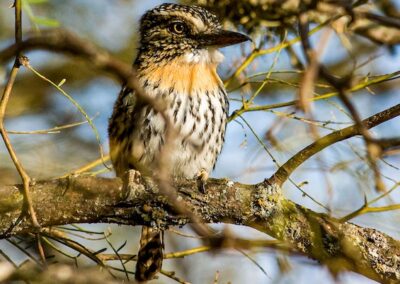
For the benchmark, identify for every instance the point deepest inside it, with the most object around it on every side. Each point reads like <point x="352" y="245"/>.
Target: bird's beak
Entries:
<point x="221" y="38"/>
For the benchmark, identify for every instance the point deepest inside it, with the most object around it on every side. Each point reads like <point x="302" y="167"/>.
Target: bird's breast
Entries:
<point x="184" y="75"/>
<point x="196" y="104"/>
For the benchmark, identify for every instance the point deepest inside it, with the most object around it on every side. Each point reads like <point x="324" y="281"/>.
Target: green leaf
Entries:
<point x="46" y="22"/>
<point x="35" y="2"/>
<point x="61" y="82"/>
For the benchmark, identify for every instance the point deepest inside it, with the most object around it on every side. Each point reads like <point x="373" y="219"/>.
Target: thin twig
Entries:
<point x="53" y="130"/>
<point x="283" y="173"/>
<point x="3" y="105"/>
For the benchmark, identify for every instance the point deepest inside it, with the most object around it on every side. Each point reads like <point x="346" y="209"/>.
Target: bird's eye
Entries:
<point x="177" y="28"/>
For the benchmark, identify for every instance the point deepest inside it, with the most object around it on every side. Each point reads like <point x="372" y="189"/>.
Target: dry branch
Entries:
<point x="260" y="206"/>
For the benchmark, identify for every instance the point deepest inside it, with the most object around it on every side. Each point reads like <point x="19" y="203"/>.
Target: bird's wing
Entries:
<point x="120" y="127"/>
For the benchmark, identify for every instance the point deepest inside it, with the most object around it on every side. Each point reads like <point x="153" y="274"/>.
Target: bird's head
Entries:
<point x="172" y="30"/>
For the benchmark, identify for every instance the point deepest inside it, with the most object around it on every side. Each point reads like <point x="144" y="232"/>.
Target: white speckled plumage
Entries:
<point x="198" y="113"/>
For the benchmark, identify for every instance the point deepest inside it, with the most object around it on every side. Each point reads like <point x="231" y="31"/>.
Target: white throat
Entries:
<point x="204" y="56"/>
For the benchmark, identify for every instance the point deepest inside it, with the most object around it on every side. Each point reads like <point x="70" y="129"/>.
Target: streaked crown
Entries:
<point x="171" y="30"/>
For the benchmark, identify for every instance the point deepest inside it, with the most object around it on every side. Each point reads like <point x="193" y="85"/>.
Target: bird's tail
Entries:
<point x="150" y="254"/>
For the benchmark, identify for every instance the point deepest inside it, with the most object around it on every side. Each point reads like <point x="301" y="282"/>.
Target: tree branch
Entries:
<point x="260" y="206"/>
<point x="283" y="173"/>
<point x="63" y="41"/>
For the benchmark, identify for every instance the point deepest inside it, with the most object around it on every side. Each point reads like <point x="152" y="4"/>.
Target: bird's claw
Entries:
<point x="202" y="178"/>
<point x="131" y="180"/>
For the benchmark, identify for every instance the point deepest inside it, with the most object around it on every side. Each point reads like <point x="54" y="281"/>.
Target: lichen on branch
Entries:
<point x="261" y="206"/>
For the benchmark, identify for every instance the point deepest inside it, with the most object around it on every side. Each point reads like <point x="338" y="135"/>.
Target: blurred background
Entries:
<point x="338" y="178"/>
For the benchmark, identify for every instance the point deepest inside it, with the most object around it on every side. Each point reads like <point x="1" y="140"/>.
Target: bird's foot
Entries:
<point x="202" y="178"/>
<point x="132" y="185"/>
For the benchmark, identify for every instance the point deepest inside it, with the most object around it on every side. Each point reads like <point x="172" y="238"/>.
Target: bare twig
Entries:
<point x="53" y="130"/>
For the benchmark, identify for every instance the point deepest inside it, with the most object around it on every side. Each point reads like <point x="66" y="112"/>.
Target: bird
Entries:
<point x="176" y="66"/>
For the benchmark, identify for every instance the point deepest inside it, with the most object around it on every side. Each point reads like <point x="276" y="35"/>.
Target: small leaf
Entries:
<point x="62" y="82"/>
<point x="46" y="22"/>
<point x="34" y="2"/>
<point x="121" y="247"/>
